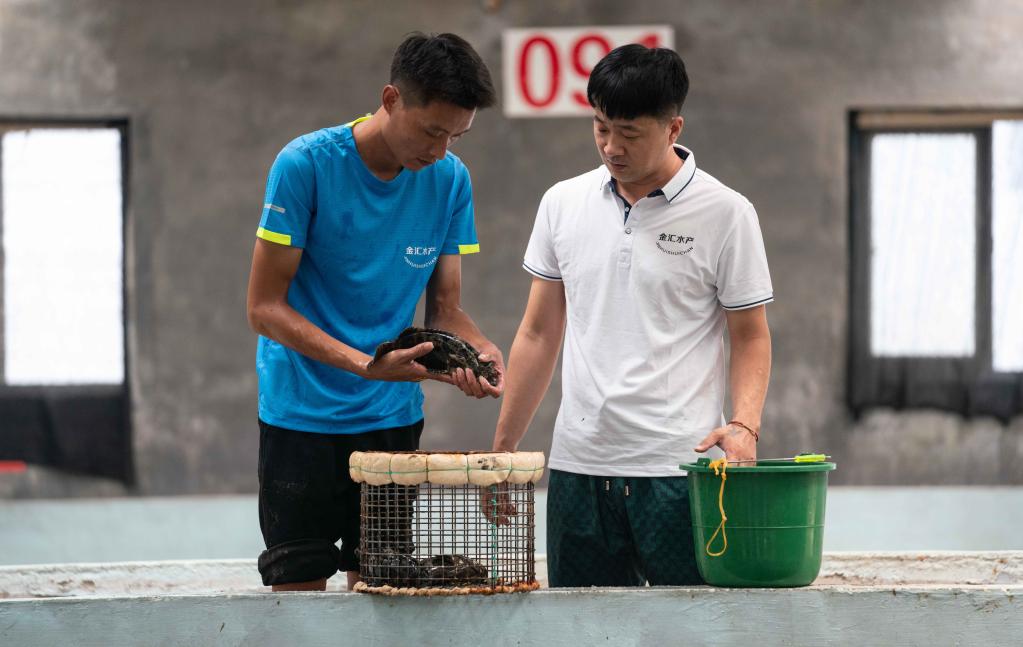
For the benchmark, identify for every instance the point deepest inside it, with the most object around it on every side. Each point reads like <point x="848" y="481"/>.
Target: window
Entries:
<point x="936" y="316"/>
<point x="63" y="393"/>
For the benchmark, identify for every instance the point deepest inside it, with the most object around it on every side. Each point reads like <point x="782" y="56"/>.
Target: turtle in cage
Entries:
<point x="404" y="570"/>
<point x="391" y="566"/>
<point x="458" y="570"/>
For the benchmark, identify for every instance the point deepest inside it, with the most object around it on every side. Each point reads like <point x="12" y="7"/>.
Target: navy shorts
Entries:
<point x="617" y="531"/>
<point x="308" y="501"/>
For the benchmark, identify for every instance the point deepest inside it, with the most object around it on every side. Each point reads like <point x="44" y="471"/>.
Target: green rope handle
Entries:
<point x="493" y="535"/>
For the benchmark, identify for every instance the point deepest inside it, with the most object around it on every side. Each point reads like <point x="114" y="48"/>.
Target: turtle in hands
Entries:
<point x="449" y="352"/>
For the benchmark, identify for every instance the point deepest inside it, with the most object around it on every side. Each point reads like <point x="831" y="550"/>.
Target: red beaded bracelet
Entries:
<point x="756" y="436"/>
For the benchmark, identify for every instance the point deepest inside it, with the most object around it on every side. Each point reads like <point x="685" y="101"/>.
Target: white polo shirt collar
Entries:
<point x="674" y="187"/>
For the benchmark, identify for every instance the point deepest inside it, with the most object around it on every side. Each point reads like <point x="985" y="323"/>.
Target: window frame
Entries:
<point x="42" y="424"/>
<point x="965" y="384"/>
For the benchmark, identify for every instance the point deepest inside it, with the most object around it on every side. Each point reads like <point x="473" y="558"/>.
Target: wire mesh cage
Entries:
<point x="443" y="524"/>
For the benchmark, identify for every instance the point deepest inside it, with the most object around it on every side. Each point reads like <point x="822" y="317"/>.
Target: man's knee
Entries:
<point x="298" y="561"/>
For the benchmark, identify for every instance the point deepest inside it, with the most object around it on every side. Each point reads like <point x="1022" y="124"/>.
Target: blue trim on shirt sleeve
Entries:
<point x="539" y="274"/>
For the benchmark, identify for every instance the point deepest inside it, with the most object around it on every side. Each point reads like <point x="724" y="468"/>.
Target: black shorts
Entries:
<point x="308" y="501"/>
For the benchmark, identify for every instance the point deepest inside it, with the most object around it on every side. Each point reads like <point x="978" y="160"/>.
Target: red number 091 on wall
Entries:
<point x="546" y="70"/>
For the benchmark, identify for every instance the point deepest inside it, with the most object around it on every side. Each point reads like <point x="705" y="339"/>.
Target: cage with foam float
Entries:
<point x="447" y="523"/>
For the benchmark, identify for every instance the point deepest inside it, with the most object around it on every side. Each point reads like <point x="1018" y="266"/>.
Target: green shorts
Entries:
<point x="619" y="531"/>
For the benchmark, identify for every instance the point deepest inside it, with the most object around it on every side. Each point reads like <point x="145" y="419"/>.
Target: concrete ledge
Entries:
<point x="932" y="569"/>
<point x="651" y="616"/>
<point x="132" y="579"/>
<point x="233" y="576"/>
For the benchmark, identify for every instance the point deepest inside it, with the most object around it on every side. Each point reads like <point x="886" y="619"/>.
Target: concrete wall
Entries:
<point x="213" y="90"/>
<point x="887" y="615"/>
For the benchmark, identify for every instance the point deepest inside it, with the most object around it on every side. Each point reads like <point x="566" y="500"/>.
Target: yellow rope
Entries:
<point x="722" y="464"/>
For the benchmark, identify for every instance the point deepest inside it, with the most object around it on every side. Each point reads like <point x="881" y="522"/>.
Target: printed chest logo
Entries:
<point x="420" y="257"/>
<point x="675" y="244"/>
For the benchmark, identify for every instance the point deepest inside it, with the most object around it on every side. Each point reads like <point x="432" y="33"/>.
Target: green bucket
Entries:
<point x="774" y="527"/>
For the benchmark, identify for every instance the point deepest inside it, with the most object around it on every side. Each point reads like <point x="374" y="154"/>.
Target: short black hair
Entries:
<point x="442" y="67"/>
<point x="635" y="81"/>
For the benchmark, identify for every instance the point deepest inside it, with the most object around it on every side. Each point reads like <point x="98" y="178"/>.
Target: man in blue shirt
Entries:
<point x="358" y="221"/>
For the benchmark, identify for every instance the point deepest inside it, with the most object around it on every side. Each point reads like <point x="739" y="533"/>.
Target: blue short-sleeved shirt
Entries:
<point x="369" y="248"/>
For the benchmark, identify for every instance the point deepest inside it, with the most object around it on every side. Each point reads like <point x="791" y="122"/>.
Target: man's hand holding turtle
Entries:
<point x="400" y="366"/>
<point x="477" y="386"/>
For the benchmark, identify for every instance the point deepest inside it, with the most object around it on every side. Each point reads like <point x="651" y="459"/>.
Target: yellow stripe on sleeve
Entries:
<point x="469" y="249"/>
<point x="274" y="237"/>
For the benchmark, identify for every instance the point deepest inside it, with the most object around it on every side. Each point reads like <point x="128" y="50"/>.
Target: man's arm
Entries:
<point x="750" y="363"/>
<point x="270" y="315"/>
<point x="444" y="312"/>
<point x="534" y="354"/>
<point x="749" y="374"/>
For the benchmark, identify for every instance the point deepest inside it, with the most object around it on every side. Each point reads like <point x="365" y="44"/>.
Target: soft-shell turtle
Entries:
<point x="449" y="352"/>
<point x="447" y="570"/>
<point x="391" y="567"/>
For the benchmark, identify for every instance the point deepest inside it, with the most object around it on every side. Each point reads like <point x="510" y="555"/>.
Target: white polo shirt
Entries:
<point x="643" y="372"/>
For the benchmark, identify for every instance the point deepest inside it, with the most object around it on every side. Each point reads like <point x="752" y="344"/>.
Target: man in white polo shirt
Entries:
<point x="641" y="264"/>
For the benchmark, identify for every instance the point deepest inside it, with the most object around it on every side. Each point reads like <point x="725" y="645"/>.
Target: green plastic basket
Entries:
<point x="774" y="527"/>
